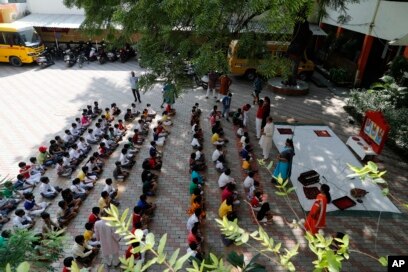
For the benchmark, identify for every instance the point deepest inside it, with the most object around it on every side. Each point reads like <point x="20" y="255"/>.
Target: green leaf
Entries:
<point x="383" y="261"/>
<point x="291" y="189"/>
<point x="269" y="167"/>
<point x="162" y="244"/>
<point x="372" y="166"/>
<point x="280" y="193"/>
<point x="180" y="262"/>
<point x="8" y="268"/>
<point x="124" y="215"/>
<point x="385" y="191"/>
<point x="173" y="257"/>
<point x="149" y="263"/>
<point x="245" y="237"/>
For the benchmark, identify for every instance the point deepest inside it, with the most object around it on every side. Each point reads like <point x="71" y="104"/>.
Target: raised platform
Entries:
<point x="302" y="87"/>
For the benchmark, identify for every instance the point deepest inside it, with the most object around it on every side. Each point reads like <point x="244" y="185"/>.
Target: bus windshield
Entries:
<point x="29" y="37"/>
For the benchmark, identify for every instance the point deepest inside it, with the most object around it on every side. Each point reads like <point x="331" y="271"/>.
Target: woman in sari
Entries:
<point x="284" y="165"/>
<point x="316" y="219"/>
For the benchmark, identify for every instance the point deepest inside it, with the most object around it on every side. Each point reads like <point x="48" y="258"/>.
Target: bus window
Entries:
<point x="29" y="37"/>
<point x="2" y="40"/>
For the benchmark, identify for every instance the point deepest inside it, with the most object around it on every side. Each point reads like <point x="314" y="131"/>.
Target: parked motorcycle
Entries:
<point x="126" y="53"/>
<point x="45" y="59"/>
<point x="93" y="54"/>
<point x="82" y="59"/>
<point x="112" y="55"/>
<point x="70" y="58"/>
<point x="102" y="56"/>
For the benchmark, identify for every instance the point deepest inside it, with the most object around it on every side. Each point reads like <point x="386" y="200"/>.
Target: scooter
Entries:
<point x="93" y="55"/>
<point x="81" y="59"/>
<point x="102" y="57"/>
<point x="45" y="59"/>
<point x="69" y="58"/>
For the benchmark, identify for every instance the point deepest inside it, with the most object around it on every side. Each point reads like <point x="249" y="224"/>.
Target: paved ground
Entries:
<point x="37" y="104"/>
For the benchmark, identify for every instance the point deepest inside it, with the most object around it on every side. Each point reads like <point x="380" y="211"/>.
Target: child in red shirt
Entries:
<point x="94" y="216"/>
<point x="67" y="264"/>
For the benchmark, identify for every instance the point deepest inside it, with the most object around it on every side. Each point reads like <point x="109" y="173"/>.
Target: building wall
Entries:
<point x="51" y="7"/>
<point x="390" y="23"/>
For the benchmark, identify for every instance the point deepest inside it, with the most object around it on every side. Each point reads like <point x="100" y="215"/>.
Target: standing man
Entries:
<point x="212" y="79"/>
<point x="225" y="83"/>
<point x="134" y="86"/>
<point x="226" y="105"/>
<point x="109" y="242"/>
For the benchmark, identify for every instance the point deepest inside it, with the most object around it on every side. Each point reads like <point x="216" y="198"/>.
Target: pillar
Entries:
<point x="362" y="60"/>
<point x="406" y="52"/>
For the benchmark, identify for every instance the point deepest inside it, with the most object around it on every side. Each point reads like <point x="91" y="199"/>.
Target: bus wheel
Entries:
<point x="15" y="61"/>
<point x="250" y="75"/>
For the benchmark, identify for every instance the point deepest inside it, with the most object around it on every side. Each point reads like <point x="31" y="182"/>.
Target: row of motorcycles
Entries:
<point x="85" y="53"/>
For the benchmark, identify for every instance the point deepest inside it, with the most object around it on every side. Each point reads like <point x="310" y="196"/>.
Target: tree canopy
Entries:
<point x="175" y="31"/>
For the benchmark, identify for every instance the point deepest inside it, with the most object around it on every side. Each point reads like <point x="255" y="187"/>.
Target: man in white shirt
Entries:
<point x="134" y="86"/>
<point x="109" y="240"/>
<point x="22" y="221"/>
<point x="82" y="252"/>
<point x="225" y="178"/>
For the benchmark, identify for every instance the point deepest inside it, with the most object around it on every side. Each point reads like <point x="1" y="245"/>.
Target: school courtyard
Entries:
<point x="37" y="104"/>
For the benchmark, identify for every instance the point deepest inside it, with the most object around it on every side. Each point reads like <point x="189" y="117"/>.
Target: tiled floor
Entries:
<point x="36" y="105"/>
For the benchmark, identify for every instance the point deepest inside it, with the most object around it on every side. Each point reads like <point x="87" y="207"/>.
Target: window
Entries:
<point x="17" y="1"/>
<point x="2" y="41"/>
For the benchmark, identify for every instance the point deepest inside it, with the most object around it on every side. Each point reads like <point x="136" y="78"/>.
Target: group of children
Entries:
<point x="196" y="211"/>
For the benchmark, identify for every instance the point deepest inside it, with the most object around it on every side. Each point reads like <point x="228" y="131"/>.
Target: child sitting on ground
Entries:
<point x="166" y="119"/>
<point x="96" y="108"/>
<point x="66" y="213"/>
<point x="36" y="167"/>
<point x="47" y="190"/>
<point x="108" y="116"/>
<point x="129" y="117"/>
<point x="118" y="173"/>
<point x="240" y="131"/>
<point x="94" y="216"/>
<point x="146" y="207"/>
<point x="112" y="191"/>
<point x="122" y="127"/>
<point x="62" y="170"/>
<point x="44" y="158"/>
<point x="89" y="235"/>
<point x="114" y="109"/>
<point x="150" y="111"/>
<point x="32" y="207"/>
<point x="135" y="111"/>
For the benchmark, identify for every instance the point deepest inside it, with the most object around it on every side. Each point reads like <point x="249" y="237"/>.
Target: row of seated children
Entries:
<point x="196" y="211"/>
<point x="252" y="189"/>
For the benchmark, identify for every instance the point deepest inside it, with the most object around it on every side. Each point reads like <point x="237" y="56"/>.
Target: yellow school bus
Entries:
<point x="241" y="66"/>
<point x="19" y="44"/>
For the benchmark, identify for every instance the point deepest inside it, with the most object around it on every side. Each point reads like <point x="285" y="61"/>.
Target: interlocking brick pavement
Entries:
<point x="37" y="104"/>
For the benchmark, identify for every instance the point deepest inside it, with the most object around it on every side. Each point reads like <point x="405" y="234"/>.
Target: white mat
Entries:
<point x="328" y="156"/>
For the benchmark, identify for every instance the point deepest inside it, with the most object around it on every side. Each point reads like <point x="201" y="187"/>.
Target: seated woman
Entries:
<point x="264" y="215"/>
